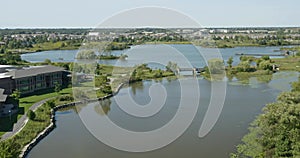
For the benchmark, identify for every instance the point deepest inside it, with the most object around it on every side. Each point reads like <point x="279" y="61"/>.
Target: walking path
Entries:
<point x="22" y="121"/>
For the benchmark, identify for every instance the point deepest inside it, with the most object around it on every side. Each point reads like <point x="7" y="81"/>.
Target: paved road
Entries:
<point x="22" y="121"/>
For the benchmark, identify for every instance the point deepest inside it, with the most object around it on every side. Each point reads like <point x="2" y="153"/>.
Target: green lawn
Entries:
<point x="27" y="102"/>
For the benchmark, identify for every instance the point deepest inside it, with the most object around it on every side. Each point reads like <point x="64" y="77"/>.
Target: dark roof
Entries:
<point x="33" y="71"/>
<point x="2" y="96"/>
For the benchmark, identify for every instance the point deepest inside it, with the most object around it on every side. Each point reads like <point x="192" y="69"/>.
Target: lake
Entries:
<point x="243" y="103"/>
<point x="157" y="53"/>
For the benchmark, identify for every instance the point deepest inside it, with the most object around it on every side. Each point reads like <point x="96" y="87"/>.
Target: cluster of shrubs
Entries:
<point x="66" y="98"/>
<point x="263" y="63"/>
<point x="247" y="64"/>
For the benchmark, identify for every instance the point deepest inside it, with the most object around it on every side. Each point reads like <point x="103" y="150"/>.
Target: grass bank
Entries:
<point x="288" y="63"/>
<point x="26" y="102"/>
<point x="38" y="124"/>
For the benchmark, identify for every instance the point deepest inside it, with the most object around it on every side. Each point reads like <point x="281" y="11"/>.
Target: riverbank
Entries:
<point x="51" y="126"/>
<point x="275" y="132"/>
<point x="26" y="149"/>
<point x="45" y="129"/>
<point x="60" y="45"/>
<point x="35" y="130"/>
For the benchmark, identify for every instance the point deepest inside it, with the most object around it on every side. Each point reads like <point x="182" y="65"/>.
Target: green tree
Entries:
<point x="47" y="61"/>
<point x="247" y="58"/>
<point x="16" y="94"/>
<point x="216" y="66"/>
<point x="50" y="103"/>
<point x="62" y="45"/>
<point x="172" y="67"/>
<point x="265" y="65"/>
<point x="9" y="149"/>
<point x="101" y="81"/>
<point x="276" y="132"/>
<point x="230" y="61"/>
<point x="86" y="54"/>
<point x="31" y="115"/>
<point x="2" y="51"/>
<point x="244" y="66"/>
<point x="57" y="87"/>
<point x="265" y="57"/>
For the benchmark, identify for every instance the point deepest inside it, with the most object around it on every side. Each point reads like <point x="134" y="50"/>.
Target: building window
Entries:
<point x="26" y="81"/>
<point x="24" y="88"/>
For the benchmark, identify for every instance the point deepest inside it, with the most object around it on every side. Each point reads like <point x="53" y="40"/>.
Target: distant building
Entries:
<point x="222" y="30"/>
<point x="30" y="79"/>
<point x="93" y="34"/>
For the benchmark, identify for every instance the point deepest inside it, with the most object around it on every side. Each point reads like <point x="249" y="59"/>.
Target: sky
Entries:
<point x="89" y="13"/>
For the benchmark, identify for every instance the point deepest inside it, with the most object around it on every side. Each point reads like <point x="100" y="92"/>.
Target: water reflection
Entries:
<point x="279" y="81"/>
<point x="264" y="78"/>
<point x="103" y="107"/>
<point x="241" y="106"/>
<point x="136" y="86"/>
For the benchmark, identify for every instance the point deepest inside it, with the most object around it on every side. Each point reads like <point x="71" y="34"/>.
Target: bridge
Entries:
<point x="194" y="70"/>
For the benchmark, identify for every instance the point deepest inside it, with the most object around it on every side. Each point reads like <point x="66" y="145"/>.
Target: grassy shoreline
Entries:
<point x="60" y="45"/>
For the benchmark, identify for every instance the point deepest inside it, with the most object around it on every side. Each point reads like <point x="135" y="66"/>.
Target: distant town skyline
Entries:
<point x="89" y="13"/>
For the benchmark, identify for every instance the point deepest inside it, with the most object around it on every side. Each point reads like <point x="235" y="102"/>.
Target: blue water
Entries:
<point x="156" y="55"/>
<point x="71" y="138"/>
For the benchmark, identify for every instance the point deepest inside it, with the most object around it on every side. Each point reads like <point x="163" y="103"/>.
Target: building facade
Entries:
<point x="31" y="79"/>
<point x="30" y="84"/>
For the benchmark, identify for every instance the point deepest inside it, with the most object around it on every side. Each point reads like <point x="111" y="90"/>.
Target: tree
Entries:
<point x="2" y="51"/>
<point x="62" y="45"/>
<point x="100" y="81"/>
<point x="216" y="66"/>
<point x="86" y="54"/>
<point x="158" y="73"/>
<point x="247" y="58"/>
<point x="57" y="87"/>
<point x="276" y="132"/>
<point x="265" y="65"/>
<point x="243" y="66"/>
<point x="31" y="115"/>
<point x="47" y="61"/>
<point x="50" y="103"/>
<point x="9" y="149"/>
<point x="230" y="61"/>
<point x="16" y="94"/>
<point x="265" y="57"/>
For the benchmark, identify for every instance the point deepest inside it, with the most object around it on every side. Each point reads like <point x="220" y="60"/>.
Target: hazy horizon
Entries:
<point x="211" y="27"/>
<point x="89" y="13"/>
